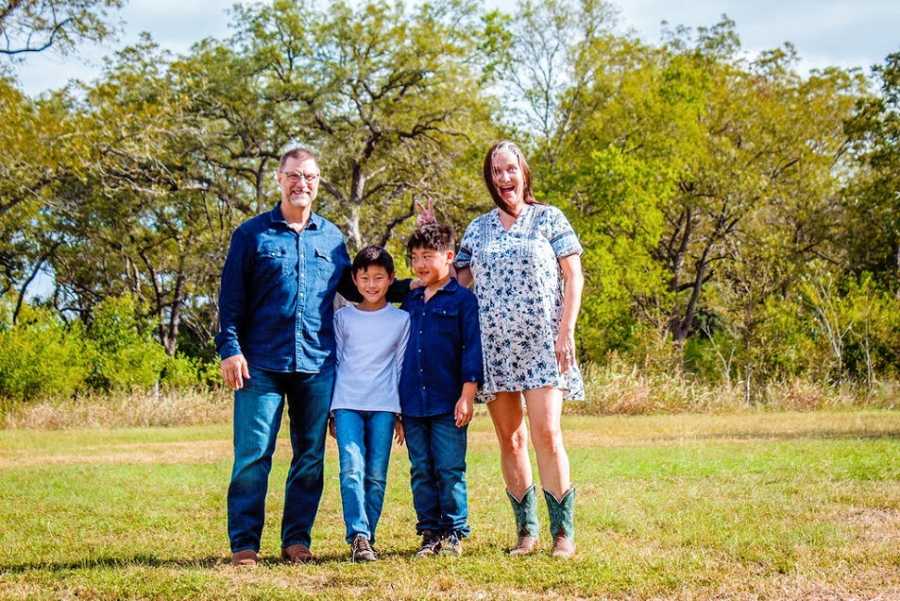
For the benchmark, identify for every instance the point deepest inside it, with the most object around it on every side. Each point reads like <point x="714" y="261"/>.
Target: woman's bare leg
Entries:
<point x="544" y="413"/>
<point x="512" y="434"/>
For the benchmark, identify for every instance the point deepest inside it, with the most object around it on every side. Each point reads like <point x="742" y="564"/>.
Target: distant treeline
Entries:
<point x="741" y="221"/>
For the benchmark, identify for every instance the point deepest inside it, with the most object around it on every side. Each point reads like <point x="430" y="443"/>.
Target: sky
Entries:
<point x="824" y="32"/>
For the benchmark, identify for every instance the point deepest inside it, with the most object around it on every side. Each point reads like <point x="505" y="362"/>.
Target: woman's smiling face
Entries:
<point x="508" y="179"/>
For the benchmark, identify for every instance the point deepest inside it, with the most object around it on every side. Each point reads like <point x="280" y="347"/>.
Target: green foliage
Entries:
<point x="740" y="220"/>
<point x="42" y="356"/>
<point x="127" y="356"/>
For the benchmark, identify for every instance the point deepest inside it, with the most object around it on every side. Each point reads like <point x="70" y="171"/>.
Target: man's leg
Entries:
<point x="309" y="399"/>
<point x="350" y="427"/>
<point x="448" y="447"/>
<point x="257" y="416"/>
<point x="379" y="434"/>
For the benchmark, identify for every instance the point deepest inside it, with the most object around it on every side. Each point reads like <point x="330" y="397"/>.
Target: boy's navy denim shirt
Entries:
<point x="443" y="352"/>
<point x="276" y="303"/>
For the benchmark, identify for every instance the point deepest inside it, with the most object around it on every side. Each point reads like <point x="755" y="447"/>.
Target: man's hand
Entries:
<point x="465" y="409"/>
<point x="234" y="371"/>
<point x="399" y="434"/>
<point x="331" y="428"/>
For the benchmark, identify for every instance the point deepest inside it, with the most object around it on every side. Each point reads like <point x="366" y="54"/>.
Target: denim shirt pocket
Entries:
<point x="324" y="263"/>
<point x="272" y="260"/>
<point x="446" y="321"/>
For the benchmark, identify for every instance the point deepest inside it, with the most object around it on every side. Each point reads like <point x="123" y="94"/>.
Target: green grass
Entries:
<point x="767" y="505"/>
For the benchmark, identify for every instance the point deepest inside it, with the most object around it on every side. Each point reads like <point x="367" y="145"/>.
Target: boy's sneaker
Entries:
<point x="361" y="550"/>
<point x="451" y="545"/>
<point x="431" y="545"/>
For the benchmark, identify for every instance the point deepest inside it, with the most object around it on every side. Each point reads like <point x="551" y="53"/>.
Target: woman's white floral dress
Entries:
<point x="519" y="287"/>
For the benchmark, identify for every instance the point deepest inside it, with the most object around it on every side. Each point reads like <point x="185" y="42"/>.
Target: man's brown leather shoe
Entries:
<point x="297" y="554"/>
<point x="247" y="558"/>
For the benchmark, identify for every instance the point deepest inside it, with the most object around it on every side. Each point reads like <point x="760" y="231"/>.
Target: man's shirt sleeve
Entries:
<point x="232" y="296"/>
<point x="472" y="366"/>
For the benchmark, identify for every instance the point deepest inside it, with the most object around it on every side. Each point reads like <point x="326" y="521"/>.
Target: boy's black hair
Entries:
<point x="432" y="236"/>
<point x="373" y="255"/>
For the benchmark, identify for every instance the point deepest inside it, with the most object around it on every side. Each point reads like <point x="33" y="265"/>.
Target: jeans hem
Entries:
<point x="238" y="549"/>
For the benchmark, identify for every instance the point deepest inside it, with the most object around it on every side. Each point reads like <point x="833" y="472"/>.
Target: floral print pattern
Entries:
<point x="519" y="285"/>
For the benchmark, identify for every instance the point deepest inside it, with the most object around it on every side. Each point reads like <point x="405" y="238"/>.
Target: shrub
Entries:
<point x="42" y="356"/>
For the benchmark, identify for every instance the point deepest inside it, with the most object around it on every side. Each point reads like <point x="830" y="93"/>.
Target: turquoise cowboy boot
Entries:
<point x="562" y="523"/>
<point x="527" y="527"/>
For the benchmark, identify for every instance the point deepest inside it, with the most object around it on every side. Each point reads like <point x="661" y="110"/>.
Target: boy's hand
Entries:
<point x="425" y="213"/>
<point x="465" y="409"/>
<point x="331" y="429"/>
<point x="399" y="434"/>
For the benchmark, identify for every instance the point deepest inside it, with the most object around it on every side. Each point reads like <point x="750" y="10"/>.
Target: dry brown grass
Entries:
<point x="123" y="410"/>
<point x="614" y="388"/>
<point x="620" y="389"/>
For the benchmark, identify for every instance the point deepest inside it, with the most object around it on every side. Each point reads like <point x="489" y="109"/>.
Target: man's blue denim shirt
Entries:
<point x="443" y="352"/>
<point x="276" y="304"/>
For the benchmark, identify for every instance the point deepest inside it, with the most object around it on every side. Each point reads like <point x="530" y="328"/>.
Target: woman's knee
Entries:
<point x="548" y="440"/>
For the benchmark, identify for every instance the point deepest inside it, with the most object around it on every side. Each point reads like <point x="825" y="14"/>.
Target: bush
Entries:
<point x="42" y="356"/>
<point x="126" y="355"/>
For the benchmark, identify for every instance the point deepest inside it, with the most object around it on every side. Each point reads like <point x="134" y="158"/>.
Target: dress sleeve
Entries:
<point x="560" y="233"/>
<point x="466" y="246"/>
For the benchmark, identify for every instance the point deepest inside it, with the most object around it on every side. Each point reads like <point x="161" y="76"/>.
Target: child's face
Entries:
<point x="431" y="266"/>
<point x="373" y="283"/>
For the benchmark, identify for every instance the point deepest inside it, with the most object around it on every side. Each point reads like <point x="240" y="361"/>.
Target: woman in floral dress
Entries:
<point x="524" y="260"/>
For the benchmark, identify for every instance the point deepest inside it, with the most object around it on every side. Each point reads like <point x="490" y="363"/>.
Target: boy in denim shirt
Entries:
<point x="442" y="368"/>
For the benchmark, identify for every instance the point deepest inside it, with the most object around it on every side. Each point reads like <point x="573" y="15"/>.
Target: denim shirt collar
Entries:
<point x="449" y="287"/>
<point x="315" y="221"/>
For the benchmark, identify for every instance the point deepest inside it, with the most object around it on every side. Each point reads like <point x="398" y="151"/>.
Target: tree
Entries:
<point x="872" y="197"/>
<point x="389" y="98"/>
<point x="28" y="26"/>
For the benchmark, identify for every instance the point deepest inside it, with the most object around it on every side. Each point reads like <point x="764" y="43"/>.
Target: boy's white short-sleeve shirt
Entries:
<point x="370" y="347"/>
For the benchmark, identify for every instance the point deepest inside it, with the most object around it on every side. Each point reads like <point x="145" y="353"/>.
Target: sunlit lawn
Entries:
<point x="764" y="505"/>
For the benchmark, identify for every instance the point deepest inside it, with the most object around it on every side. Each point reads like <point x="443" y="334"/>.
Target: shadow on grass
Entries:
<point x="115" y="562"/>
<point x="151" y="561"/>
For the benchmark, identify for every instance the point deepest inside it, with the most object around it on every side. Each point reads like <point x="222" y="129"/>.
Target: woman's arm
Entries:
<point x="573" y="279"/>
<point x="464" y="277"/>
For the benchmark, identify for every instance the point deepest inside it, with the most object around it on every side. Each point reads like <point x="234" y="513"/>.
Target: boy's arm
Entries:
<point x="398" y="291"/>
<point x="472" y="361"/>
<point x="338" y="336"/>
<point x="465" y="406"/>
<point x="400" y="351"/>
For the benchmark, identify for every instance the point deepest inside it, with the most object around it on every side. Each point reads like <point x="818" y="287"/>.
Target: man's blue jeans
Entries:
<point x="364" y="448"/>
<point x="257" y="416"/>
<point x="437" y="454"/>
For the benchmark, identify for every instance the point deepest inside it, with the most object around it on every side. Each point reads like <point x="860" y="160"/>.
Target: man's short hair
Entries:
<point x="373" y="255"/>
<point x="432" y="236"/>
<point x="300" y="153"/>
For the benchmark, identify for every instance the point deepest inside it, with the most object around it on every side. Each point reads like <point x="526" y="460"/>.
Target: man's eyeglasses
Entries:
<point x="295" y="177"/>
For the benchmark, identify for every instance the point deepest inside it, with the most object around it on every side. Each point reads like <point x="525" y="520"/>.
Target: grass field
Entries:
<point x="753" y="506"/>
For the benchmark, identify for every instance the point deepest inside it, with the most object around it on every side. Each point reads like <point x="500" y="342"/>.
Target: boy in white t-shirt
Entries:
<point x="371" y="339"/>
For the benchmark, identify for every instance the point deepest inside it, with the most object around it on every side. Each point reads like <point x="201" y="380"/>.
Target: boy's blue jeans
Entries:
<point x="437" y="454"/>
<point x="258" y="407"/>
<point x="364" y="449"/>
